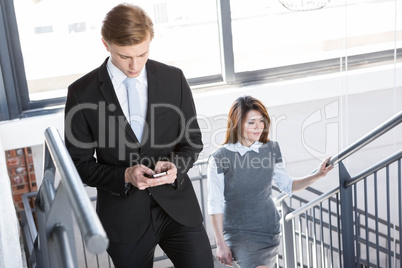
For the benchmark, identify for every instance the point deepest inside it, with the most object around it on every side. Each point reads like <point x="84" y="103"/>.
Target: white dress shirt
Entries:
<point x="117" y="77"/>
<point x="216" y="182"/>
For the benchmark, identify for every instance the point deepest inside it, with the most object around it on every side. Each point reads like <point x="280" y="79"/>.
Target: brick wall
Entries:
<point x="21" y="172"/>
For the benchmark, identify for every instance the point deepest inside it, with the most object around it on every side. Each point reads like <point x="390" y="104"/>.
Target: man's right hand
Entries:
<point x="135" y="176"/>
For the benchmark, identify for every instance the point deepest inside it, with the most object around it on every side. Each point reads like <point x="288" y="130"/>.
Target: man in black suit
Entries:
<point x="138" y="212"/>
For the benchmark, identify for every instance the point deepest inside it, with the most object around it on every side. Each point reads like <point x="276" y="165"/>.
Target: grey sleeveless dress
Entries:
<point x="250" y="219"/>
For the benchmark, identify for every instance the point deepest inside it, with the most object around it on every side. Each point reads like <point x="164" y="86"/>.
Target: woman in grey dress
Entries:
<point x="240" y="177"/>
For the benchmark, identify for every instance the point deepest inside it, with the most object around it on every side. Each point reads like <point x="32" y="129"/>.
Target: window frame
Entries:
<point x="14" y="94"/>
<point x="12" y="86"/>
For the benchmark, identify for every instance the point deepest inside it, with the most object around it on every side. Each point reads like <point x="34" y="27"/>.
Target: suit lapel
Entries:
<point x="152" y="88"/>
<point x="112" y="103"/>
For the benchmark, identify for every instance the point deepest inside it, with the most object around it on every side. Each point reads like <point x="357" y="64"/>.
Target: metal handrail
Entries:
<point x="366" y="139"/>
<point x="201" y="162"/>
<point x="336" y="189"/>
<point x="392" y="158"/>
<point x="351" y="149"/>
<point x="312" y="203"/>
<point x="94" y="235"/>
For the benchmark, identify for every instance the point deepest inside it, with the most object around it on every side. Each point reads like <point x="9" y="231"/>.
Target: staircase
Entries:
<point x="356" y="224"/>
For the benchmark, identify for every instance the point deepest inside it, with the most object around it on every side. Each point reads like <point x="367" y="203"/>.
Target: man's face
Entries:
<point x="129" y="59"/>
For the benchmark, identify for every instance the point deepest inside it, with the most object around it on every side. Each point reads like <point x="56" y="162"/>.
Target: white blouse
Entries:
<point x="216" y="184"/>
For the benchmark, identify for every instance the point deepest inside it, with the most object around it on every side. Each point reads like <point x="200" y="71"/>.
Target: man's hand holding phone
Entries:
<point x="163" y="167"/>
<point x="142" y="177"/>
<point x="157" y="175"/>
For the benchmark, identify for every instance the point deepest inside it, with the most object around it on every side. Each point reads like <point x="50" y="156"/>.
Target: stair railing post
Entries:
<point x="346" y="202"/>
<point x="287" y="238"/>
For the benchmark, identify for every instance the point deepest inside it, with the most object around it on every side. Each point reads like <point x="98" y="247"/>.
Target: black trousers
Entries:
<point x="185" y="246"/>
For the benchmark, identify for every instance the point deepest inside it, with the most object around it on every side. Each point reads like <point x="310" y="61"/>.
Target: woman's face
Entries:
<point x="252" y="128"/>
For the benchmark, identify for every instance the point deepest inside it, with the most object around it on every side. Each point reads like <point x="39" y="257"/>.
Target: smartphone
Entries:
<point x="159" y="175"/>
<point x="156" y="175"/>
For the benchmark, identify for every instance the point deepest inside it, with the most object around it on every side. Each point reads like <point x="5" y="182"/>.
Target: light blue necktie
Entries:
<point x="134" y="107"/>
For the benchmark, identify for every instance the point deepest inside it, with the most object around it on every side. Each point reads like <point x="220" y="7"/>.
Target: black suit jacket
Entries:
<point x="102" y="145"/>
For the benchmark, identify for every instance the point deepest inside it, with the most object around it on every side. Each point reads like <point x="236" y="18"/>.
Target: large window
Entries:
<point x="46" y="44"/>
<point x="61" y="41"/>
<point x="266" y="35"/>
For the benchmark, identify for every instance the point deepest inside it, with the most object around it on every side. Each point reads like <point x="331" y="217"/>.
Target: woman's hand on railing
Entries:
<point x="302" y="183"/>
<point x="324" y="168"/>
